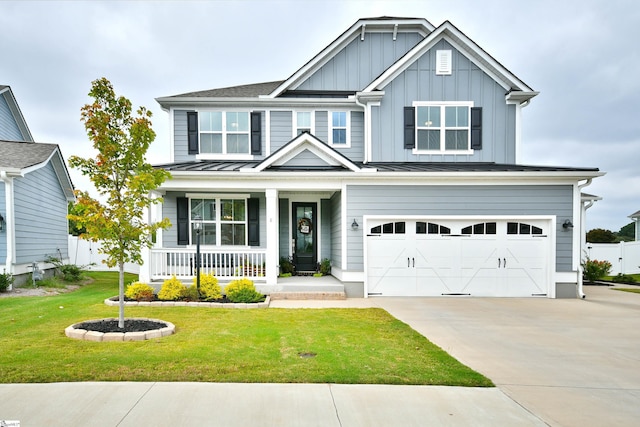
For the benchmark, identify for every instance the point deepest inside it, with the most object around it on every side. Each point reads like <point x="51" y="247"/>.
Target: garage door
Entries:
<point x="458" y="257"/>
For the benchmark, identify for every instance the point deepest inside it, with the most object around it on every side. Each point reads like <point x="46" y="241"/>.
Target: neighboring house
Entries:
<point x="393" y="153"/>
<point x="35" y="189"/>
<point x="636" y="219"/>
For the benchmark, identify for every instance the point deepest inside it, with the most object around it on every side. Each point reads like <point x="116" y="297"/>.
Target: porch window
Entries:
<point x="224" y="132"/>
<point x="224" y="221"/>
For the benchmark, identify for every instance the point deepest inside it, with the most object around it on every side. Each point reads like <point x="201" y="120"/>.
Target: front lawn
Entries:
<point x="348" y="346"/>
<point x="632" y="290"/>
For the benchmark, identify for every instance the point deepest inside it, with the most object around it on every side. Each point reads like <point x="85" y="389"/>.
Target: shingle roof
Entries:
<point x="243" y="91"/>
<point x="220" y="166"/>
<point x="21" y="155"/>
<point x="635" y="215"/>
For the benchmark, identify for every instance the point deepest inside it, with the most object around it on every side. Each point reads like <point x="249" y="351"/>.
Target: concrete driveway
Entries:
<point x="570" y="362"/>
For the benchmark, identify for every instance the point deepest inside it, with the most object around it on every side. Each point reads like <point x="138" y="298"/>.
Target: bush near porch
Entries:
<point x="365" y="346"/>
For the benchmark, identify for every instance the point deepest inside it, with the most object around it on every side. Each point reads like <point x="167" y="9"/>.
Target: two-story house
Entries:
<point x="393" y="153"/>
<point x="35" y="189"/>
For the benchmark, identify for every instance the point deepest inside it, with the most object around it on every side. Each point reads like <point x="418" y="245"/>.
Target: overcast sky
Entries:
<point x="582" y="55"/>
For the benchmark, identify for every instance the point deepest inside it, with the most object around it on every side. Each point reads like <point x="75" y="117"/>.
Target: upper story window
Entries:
<point x="443" y="127"/>
<point x="303" y="122"/>
<point x="224" y="221"/>
<point x="224" y="132"/>
<point x="339" y="122"/>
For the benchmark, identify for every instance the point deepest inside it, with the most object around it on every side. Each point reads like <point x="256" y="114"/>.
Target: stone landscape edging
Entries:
<point x="83" y="334"/>
<point x="111" y="302"/>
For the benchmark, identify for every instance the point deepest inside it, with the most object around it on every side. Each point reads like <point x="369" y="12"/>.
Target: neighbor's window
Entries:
<point x="224" y="221"/>
<point x="442" y="128"/>
<point x="339" y="128"/>
<point x="224" y="132"/>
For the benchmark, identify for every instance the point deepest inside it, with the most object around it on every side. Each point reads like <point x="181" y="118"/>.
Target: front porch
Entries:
<point x="227" y="265"/>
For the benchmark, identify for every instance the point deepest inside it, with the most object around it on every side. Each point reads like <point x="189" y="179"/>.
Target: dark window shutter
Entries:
<point x="192" y="131"/>
<point x="256" y="133"/>
<point x="182" y="205"/>
<point x="409" y="127"/>
<point x="253" y="210"/>
<point x="476" y="128"/>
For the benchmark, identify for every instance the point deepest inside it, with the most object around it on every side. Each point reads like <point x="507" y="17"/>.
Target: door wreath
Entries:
<point x="304" y="226"/>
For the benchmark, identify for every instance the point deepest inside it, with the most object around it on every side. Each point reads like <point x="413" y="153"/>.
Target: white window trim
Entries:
<point x="224" y="155"/>
<point x="442" y="128"/>
<point x="218" y="221"/>
<point x="294" y="131"/>
<point x="348" y="128"/>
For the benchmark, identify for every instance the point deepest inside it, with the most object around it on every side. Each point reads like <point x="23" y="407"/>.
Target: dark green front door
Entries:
<point x="304" y="235"/>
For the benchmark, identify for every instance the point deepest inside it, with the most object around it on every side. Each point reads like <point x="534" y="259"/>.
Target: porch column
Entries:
<point x="272" y="236"/>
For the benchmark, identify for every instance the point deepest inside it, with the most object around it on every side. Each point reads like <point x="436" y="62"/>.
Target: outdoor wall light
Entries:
<point x="354" y="225"/>
<point x="567" y="224"/>
<point x="197" y="225"/>
<point x="1" y="222"/>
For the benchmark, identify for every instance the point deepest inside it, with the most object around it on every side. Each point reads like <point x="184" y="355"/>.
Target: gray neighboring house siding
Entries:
<point x="361" y="61"/>
<point x="180" y="148"/>
<point x="336" y="229"/>
<point x="3" y="233"/>
<point x="460" y="200"/>
<point x="9" y="130"/>
<point x="41" y="216"/>
<point x="467" y="82"/>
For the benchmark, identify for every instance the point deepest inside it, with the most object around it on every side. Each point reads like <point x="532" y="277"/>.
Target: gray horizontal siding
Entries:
<point x="361" y="61"/>
<point x="461" y="200"/>
<point x="180" y="142"/>
<point x="9" y="130"/>
<point x="466" y="83"/>
<point x="40" y="216"/>
<point x="281" y="129"/>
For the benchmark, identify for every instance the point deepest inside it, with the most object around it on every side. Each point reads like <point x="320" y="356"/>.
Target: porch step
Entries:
<point x="302" y="295"/>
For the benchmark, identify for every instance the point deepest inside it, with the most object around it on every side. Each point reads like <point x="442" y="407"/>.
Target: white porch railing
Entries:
<point x="225" y="264"/>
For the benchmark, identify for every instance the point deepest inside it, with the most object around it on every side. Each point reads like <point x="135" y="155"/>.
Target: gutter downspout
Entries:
<point x="10" y="222"/>
<point x="583" y="236"/>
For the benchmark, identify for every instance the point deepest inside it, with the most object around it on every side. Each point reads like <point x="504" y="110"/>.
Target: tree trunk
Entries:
<point x="121" y="293"/>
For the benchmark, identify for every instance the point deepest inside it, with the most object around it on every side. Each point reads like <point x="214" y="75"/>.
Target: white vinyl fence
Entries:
<point x="85" y="253"/>
<point x="624" y="256"/>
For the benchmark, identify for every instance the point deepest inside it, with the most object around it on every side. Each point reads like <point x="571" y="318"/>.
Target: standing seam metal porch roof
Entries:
<point x="409" y="167"/>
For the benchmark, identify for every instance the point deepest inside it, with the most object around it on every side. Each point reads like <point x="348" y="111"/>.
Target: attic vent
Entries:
<point x="443" y="62"/>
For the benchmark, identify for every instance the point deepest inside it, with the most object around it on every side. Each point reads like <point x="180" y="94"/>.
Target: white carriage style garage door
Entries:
<point x="434" y="257"/>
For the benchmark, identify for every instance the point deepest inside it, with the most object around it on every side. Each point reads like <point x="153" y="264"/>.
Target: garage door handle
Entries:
<point x="498" y="262"/>
<point x="408" y="262"/>
<point x="504" y="263"/>
<point x="414" y="262"/>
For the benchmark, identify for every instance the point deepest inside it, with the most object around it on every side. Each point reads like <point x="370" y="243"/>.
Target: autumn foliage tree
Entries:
<point x="121" y="176"/>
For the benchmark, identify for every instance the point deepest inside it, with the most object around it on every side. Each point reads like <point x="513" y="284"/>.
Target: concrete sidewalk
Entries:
<point x="213" y="404"/>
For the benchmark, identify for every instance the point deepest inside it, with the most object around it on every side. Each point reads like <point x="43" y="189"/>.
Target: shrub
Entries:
<point x="172" y="290"/>
<point x="286" y="266"/>
<point x="594" y="269"/>
<point x="209" y="288"/>
<point x="325" y="267"/>
<point x="623" y="278"/>
<point x="139" y="291"/>
<point x="6" y="280"/>
<point x="191" y="293"/>
<point x="69" y="272"/>
<point x="243" y="290"/>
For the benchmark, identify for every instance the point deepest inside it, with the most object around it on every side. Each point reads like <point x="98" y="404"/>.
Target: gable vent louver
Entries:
<point x="443" y="62"/>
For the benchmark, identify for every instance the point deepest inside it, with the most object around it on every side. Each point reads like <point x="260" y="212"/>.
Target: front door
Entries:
<point x="304" y="231"/>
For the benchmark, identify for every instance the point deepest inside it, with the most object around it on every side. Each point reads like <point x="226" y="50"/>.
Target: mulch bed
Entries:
<point x="130" y="325"/>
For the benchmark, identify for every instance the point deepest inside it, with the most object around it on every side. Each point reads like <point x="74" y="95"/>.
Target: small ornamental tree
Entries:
<point x="122" y="177"/>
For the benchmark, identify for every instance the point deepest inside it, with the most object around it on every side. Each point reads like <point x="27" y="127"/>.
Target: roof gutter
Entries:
<point x="583" y="235"/>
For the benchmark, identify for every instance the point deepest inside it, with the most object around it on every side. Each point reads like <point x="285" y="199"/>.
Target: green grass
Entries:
<point x="635" y="276"/>
<point x="632" y="290"/>
<point x="352" y="346"/>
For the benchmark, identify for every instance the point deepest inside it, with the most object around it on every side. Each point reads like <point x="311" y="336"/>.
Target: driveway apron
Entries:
<point x="571" y="362"/>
